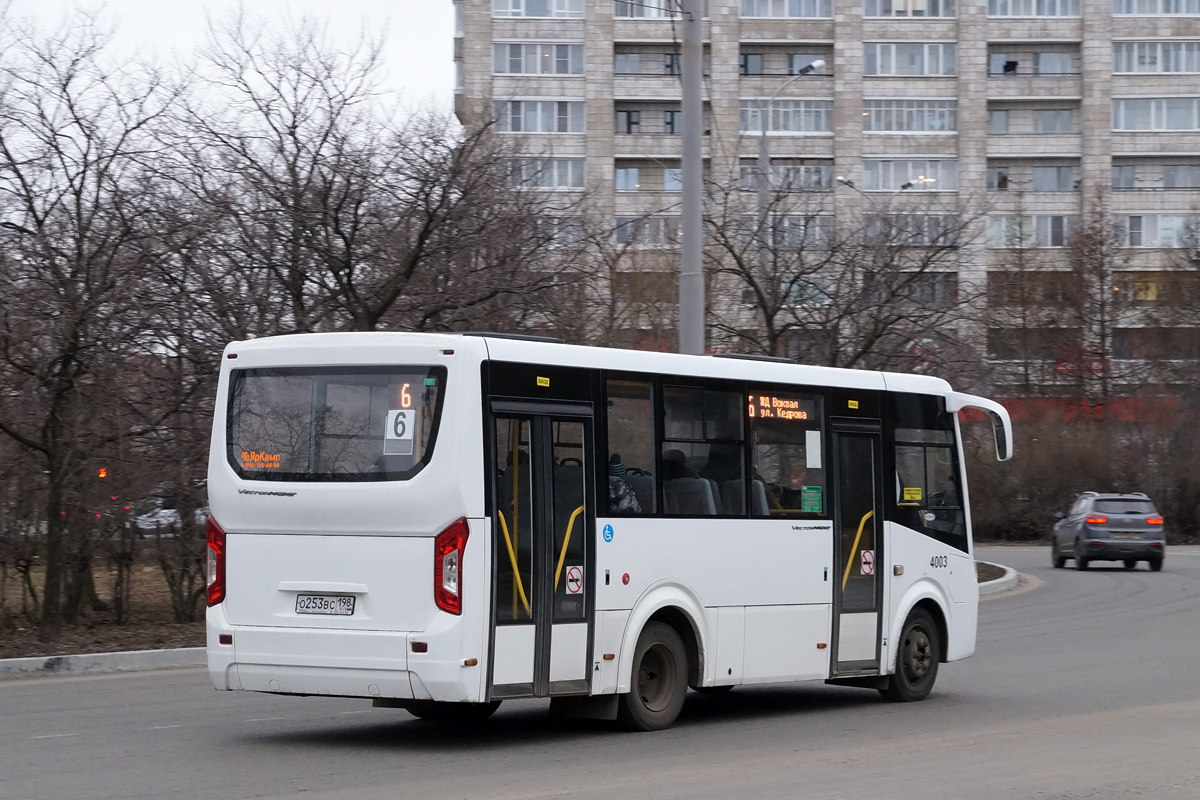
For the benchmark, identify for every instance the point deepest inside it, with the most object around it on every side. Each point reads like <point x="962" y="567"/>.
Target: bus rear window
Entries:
<point x="334" y="424"/>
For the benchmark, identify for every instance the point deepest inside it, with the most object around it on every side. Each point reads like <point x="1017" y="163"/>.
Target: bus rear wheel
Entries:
<point x="917" y="661"/>
<point x="659" y="680"/>
<point x="451" y="713"/>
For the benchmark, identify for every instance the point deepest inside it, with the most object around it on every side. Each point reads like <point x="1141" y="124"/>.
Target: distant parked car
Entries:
<point x="1109" y="527"/>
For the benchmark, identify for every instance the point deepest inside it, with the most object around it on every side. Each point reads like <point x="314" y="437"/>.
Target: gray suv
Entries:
<point x="1109" y="527"/>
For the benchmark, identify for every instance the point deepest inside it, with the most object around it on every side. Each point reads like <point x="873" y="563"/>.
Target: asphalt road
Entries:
<point x="1081" y="687"/>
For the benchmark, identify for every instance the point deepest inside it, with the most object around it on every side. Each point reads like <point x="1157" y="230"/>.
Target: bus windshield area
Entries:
<point x="333" y="424"/>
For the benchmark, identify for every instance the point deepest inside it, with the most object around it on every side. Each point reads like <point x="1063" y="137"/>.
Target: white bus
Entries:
<point x="440" y="522"/>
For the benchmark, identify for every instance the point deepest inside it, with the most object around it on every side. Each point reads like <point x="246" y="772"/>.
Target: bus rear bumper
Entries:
<point x="345" y="663"/>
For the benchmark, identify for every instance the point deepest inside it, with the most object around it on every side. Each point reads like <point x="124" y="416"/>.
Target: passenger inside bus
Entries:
<point x="622" y="498"/>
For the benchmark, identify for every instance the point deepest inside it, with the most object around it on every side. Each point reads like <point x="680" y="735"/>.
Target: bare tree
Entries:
<point x="74" y="136"/>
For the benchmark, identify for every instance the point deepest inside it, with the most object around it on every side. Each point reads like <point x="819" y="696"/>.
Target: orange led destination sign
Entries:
<point x="773" y="406"/>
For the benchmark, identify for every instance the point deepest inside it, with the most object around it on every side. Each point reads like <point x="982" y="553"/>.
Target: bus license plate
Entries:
<point x="338" y="605"/>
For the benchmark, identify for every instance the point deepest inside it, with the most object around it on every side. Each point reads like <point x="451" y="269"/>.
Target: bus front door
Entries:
<point x="543" y="523"/>
<point x="858" y="544"/>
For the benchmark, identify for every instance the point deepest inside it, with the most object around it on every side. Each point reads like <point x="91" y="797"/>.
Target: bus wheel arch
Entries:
<point x="939" y="619"/>
<point x="929" y="597"/>
<point x="674" y="605"/>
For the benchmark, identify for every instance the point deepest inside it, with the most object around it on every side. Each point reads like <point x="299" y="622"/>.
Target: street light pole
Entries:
<point x="764" y="156"/>
<point x="691" y="251"/>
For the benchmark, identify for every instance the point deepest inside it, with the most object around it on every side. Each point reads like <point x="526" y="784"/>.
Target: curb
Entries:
<point x="102" y="662"/>
<point x="1002" y="584"/>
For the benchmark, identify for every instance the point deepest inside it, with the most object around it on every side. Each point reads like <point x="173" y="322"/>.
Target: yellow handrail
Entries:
<point x="513" y="557"/>
<point x="563" y="554"/>
<point x="854" y="550"/>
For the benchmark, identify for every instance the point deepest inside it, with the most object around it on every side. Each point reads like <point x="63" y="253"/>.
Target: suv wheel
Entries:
<point x="1081" y="561"/>
<point x="1056" y="558"/>
<point x="1156" y="565"/>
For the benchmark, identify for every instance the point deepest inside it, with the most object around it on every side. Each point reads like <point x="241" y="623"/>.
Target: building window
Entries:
<point x="1124" y="176"/>
<point x="672" y="121"/>
<point x="1053" y="179"/>
<point x="1154" y="8"/>
<point x="789" y="175"/>
<point x="798" y="61"/>
<point x="1181" y="176"/>
<point x="627" y="63"/>
<point x="997" y="178"/>
<point x="1155" y="57"/>
<point x="540" y="116"/>
<point x="1159" y="230"/>
<point x="934" y="289"/>
<point x="751" y="64"/>
<point x="649" y="9"/>
<point x="997" y="122"/>
<point x="629" y="121"/>
<point x="1052" y="120"/>
<point x="458" y="20"/>
<point x="1052" y="64"/>
<point x="786" y="8"/>
<point x="672" y="63"/>
<point x="571" y="9"/>
<point x="912" y="59"/>
<point x="537" y="59"/>
<point x="647" y="231"/>
<point x="1050" y="230"/>
<point x="791" y="116"/>
<point x="912" y="230"/>
<point x="627" y="179"/>
<point x="548" y="173"/>
<point x="1051" y="344"/>
<point x="909" y="8"/>
<point x="930" y="175"/>
<point x="1033" y="8"/>
<point x="672" y="179"/>
<point x="1156" y="114"/>
<point x="910" y="116"/>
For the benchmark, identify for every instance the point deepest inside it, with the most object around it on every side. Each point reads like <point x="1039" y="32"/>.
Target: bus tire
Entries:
<point x="451" y="713"/>
<point x="658" y="682"/>
<point x="917" y="661"/>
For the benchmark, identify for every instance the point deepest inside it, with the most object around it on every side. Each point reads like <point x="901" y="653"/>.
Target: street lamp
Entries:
<point x="764" y="157"/>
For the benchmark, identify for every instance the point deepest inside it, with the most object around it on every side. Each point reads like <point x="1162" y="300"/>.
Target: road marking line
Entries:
<point x="55" y="735"/>
<point x="364" y="711"/>
<point x="163" y="727"/>
<point x="265" y="719"/>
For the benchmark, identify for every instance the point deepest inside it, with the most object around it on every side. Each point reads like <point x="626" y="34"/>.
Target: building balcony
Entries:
<point x="646" y="86"/>
<point x="1040" y="87"/>
<point x="1182" y="143"/>
<point x="791" y="31"/>
<point x="1016" y="145"/>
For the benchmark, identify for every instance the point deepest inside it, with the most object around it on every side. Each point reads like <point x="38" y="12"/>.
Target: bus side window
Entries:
<point x="629" y="421"/>
<point x="928" y="497"/>
<point x="788" y="478"/>
<point x="702" y="461"/>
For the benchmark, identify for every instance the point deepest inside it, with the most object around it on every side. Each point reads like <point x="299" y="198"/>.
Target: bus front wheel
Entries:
<point x="917" y="661"/>
<point x="659" y="680"/>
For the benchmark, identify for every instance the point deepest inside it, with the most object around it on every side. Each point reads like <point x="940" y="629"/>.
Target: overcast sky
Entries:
<point x="417" y="53"/>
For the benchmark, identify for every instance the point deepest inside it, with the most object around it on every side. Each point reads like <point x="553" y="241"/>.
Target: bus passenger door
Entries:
<point x="542" y="532"/>
<point x="858" y="544"/>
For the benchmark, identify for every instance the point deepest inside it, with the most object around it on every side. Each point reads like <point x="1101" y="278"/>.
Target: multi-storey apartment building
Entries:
<point x="1035" y="112"/>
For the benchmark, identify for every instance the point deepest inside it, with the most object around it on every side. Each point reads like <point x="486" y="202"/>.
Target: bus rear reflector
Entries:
<point x="1154" y="520"/>
<point x="448" y="550"/>
<point x="216" y="562"/>
<point x="1097" y="520"/>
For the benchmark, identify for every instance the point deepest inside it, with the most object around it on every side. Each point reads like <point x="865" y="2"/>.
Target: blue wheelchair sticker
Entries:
<point x="608" y="533"/>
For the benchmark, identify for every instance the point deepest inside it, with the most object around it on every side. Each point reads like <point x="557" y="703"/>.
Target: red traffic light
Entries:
<point x="104" y="472"/>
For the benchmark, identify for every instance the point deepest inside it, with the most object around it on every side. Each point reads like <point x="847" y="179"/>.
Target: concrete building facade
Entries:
<point x="1034" y="112"/>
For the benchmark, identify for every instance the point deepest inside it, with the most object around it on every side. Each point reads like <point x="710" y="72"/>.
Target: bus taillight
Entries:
<point x="216" y="562"/>
<point x="448" y="550"/>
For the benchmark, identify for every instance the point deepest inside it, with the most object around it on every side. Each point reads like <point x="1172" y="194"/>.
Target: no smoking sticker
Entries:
<point x="868" y="562"/>
<point x="574" y="580"/>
